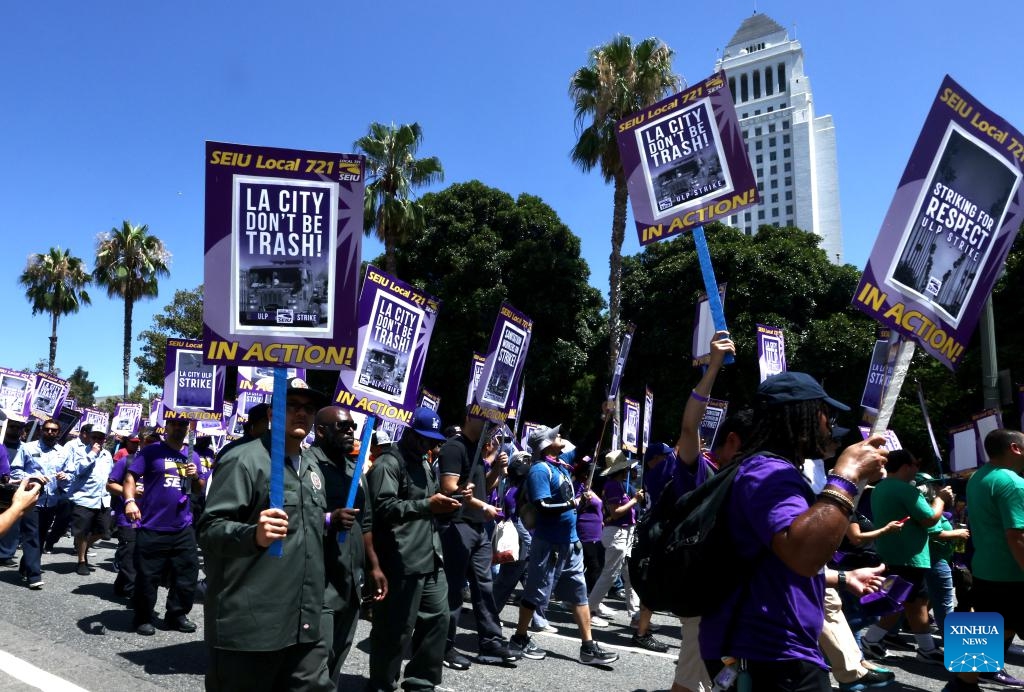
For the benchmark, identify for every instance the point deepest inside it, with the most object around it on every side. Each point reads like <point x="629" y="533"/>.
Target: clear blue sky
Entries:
<point x="106" y="108"/>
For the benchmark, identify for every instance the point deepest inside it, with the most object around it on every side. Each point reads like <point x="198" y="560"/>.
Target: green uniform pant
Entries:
<point x="298" y="668"/>
<point x="338" y="628"/>
<point x="416" y="607"/>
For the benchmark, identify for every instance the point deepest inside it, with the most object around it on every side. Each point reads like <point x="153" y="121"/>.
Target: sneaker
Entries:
<point x="9" y="562"/>
<point x="1003" y="678"/>
<point x="873" y="649"/>
<point x="180" y="623"/>
<point x="83" y="569"/>
<point x="549" y="628"/>
<point x="498" y="654"/>
<point x="591" y="654"/>
<point x="598" y="621"/>
<point x="872" y="679"/>
<point x="932" y="656"/>
<point x="649" y="642"/>
<point x="146" y="629"/>
<point x="524" y="646"/>
<point x="619" y="594"/>
<point x="455" y="660"/>
<point x="893" y="640"/>
<point x="604" y="611"/>
<point x="634" y="623"/>
<point x="36" y="585"/>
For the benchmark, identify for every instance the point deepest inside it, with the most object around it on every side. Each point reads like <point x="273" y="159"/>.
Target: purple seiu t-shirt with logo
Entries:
<point x="780" y="612"/>
<point x="589" y="517"/>
<point x="164" y="504"/>
<point x="615" y="495"/>
<point x="117" y="474"/>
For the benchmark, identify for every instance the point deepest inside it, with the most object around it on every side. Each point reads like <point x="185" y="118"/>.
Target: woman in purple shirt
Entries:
<point x="589" y="523"/>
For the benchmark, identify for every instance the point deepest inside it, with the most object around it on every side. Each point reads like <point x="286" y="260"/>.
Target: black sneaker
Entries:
<point x="935" y="655"/>
<point x="870" y="680"/>
<point x="146" y="629"/>
<point x="591" y="654"/>
<point x="83" y="569"/>
<point x="455" y="660"/>
<point x="9" y="562"/>
<point x="180" y="623"/>
<point x="895" y="641"/>
<point x="650" y="642"/>
<point x="524" y="646"/>
<point x="498" y="654"/>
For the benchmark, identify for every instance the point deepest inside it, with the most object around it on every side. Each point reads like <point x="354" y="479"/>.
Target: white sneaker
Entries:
<point x="604" y="611"/>
<point x="598" y="621"/>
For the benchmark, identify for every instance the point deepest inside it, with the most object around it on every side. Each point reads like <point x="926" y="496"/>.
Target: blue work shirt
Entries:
<point x="36" y="459"/>
<point x="90" y="472"/>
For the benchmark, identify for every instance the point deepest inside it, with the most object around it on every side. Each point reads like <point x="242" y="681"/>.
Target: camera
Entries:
<point x="7" y="491"/>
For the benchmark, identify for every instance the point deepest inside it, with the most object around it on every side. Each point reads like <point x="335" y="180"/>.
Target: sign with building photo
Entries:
<point x="193" y="389"/>
<point x="99" y="420"/>
<point x="685" y="161"/>
<point x="648" y="415"/>
<point x="476" y="369"/>
<point x="630" y="424"/>
<point x="771" y="351"/>
<point x="48" y="394"/>
<point x="395" y="324"/>
<point x="283" y="233"/>
<point x="15" y="390"/>
<point x="503" y="365"/>
<point x="949" y="227"/>
<point x="127" y="419"/>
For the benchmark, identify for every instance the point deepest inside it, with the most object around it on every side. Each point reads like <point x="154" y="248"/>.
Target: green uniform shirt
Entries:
<point x="891" y="500"/>
<point x="405" y="537"/>
<point x="995" y="499"/>
<point x="940" y="548"/>
<point x="256" y="602"/>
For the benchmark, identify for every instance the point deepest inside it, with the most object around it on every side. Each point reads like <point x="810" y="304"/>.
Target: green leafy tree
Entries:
<point x="129" y="263"/>
<point x="393" y="172"/>
<point x="618" y="79"/>
<point x="480" y="246"/>
<point x="83" y="390"/>
<point x="55" y="284"/>
<point x="182" y="318"/>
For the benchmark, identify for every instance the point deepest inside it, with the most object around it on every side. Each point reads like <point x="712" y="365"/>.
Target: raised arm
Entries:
<point x="688" y="447"/>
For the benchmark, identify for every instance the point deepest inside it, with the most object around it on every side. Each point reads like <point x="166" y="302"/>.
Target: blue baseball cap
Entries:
<point x="656" y="449"/>
<point x="427" y="423"/>
<point x="790" y="387"/>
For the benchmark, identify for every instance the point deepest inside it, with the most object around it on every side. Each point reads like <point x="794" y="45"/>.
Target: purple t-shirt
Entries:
<point x="780" y="613"/>
<point x="5" y="462"/>
<point x="117" y="474"/>
<point x="615" y="494"/>
<point x="164" y="505"/>
<point x="684" y="478"/>
<point x="589" y="517"/>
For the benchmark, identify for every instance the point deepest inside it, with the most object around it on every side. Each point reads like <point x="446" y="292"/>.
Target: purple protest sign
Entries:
<point x="685" y="161"/>
<point x="48" y="394"/>
<point x="630" y="424"/>
<point x="99" y="420"/>
<point x="429" y="399"/>
<point x="503" y="365"/>
<point x="616" y="437"/>
<point x="476" y="369"/>
<point x="704" y="328"/>
<point x="227" y="421"/>
<point x="620" y="360"/>
<point x="193" y="389"/>
<point x="883" y="357"/>
<point x="949" y="227"/>
<point x="528" y="428"/>
<point x="395" y="324"/>
<point x="127" y="419"/>
<point x="648" y="415"/>
<point x="392" y="429"/>
<point x="714" y="414"/>
<point x="15" y="389"/>
<point x="771" y="351"/>
<point x="283" y="233"/>
<point x="243" y="404"/>
<point x="261" y="378"/>
<point x="71" y="403"/>
<point x="892" y="442"/>
<point x="156" y="414"/>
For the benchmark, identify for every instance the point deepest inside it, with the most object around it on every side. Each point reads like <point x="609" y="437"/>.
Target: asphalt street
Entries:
<point x="74" y="634"/>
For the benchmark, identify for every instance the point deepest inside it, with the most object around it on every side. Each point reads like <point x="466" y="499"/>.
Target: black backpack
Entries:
<point x="684" y="559"/>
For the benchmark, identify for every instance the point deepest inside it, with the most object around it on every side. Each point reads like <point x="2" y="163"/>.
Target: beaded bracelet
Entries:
<point x="837" y="498"/>
<point x="699" y="397"/>
<point x="842" y="483"/>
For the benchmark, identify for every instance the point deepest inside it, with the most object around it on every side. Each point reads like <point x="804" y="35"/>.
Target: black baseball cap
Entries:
<point x="791" y="387"/>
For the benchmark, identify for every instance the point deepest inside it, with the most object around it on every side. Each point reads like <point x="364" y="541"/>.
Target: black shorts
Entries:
<point x="1003" y="597"/>
<point x="914" y="575"/>
<point x="87" y="522"/>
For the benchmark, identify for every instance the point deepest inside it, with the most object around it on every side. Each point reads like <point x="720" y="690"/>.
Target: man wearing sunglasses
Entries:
<point x="262" y="614"/>
<point x="347" y="562"/>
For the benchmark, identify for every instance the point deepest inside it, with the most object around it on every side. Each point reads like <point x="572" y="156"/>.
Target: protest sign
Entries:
<point x="963" y="448"/>
<point x="714" y="414"/>
<point x="528" y="428"/>
<point x="393" y="429"/>
<point x="68" y="418"/>
<point x="395" y="324"/>
<point x="71" y="403"/>
<point x="685" y="161"/>
<point x="771" y="351"/>
<point x="625" y="341"/>
<point x="48" y="393"/>
<point x="630" y="424"/>
<point x="156" y="412"/>
<point x="883" y="358"/>
<point x="503" y="364"/>
<point x="261" y="378"/>
<point x="193" y="389"/>
<point x="283" y="234"/>
<point x="429" y="399"/>
<point x="99" y="420"/>
<point x="15" y="390"/>
<point x="985" y="422"/>
<point x="648" y="414"/>
<point x="949" y="227"/>
<point x="616" y="437"/>
<point x="127" y="418"/>
<point x="892" y="442"/>
<point x="704" y="328"/>
<point x="476" y="369"/>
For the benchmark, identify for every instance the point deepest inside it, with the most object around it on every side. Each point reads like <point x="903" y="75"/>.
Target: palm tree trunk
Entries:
<point x="390" y="261"/>
<point x="53" y="344"/>
<point x="128" y="305"/>
<point x="615" y="266"/>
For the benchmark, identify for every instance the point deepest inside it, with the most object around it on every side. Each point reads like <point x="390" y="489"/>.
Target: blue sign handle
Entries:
<point x="357" y="473"/>
<point x="279" y="410"/>
<point x="707" y="270"/>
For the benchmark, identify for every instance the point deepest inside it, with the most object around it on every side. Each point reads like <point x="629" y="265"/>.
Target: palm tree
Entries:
<point x="128" y="263"/>
<point x="393" y="172"/>
<point x="619" y="79"/>
<point x="55" y="283"/>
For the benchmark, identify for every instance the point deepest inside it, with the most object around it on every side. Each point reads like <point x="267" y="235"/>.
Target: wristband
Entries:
<point x="837" y="498"/>
<point x="842" y="483"/>
<point x="699" y="397"/>
<point x="841" y="578"/>
<point x="130" y="499"/>
<point x="841" y="490"/>
<point x="327" y="521"/>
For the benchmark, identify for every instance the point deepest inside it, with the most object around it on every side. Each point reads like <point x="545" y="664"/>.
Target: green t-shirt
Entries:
<point x="940" y="549"/>
<point x="891" y="500"/>
<point x="995" y="501"/>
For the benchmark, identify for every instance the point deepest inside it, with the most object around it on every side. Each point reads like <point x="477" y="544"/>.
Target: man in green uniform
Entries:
<point x="262" y="612"/>
<point x="905" y="552"/>
<point x="405" y="498"/>
<point x="995" y="498"/>
<point x="344" y="562"/>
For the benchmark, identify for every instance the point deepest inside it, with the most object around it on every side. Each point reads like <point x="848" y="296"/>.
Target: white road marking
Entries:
<point x="36" y="677"/>
<point x="630" y="649"/>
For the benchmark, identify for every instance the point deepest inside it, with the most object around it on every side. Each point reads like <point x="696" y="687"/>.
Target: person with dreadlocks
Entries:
<point x="778" y="526"/>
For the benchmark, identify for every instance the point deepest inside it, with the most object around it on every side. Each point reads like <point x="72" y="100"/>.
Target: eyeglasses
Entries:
<point x="308" y="409"/>
<point x="51" y="431"/>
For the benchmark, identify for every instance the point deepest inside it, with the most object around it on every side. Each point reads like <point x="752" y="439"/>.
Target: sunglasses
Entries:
<point x="345" y="426"/>
<point x="292" y="407"/>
